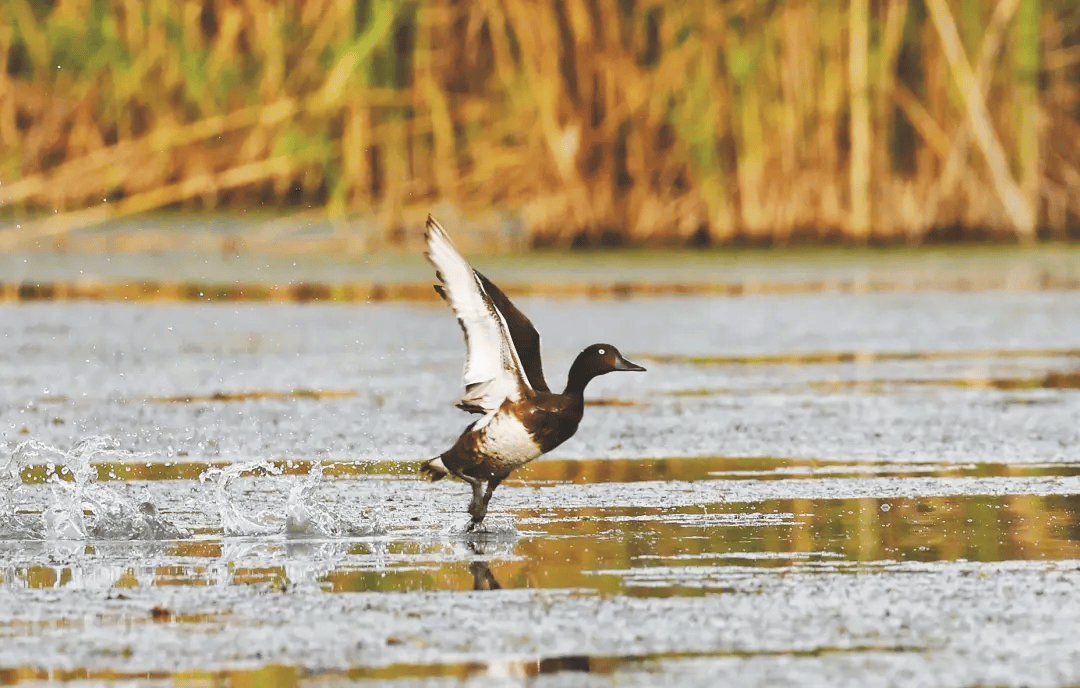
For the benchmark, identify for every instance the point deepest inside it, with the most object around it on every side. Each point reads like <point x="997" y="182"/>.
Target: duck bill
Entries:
<point x="623" y="364"/>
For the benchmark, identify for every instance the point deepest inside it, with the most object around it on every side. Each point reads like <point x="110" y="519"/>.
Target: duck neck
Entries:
<point x="578" y="378"/>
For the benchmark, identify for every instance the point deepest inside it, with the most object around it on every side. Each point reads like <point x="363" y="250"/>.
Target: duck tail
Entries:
<point x="434" y="469"/>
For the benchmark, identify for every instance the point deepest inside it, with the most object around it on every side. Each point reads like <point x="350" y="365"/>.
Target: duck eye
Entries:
<point x="601" y="352"/>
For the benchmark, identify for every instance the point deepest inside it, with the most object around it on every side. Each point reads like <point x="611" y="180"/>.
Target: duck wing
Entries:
<point x="525" y="337"/>
<point x="493" y="369"/>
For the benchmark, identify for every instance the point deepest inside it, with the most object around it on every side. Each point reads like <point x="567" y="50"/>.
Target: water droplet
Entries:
<point x="885" y="507"/>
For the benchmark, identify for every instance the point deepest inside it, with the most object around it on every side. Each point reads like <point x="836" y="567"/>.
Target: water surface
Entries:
<point x="847" y="489"/>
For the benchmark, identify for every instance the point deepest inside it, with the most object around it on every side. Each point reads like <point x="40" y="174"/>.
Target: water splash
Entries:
<point x="233" y="520"/>
<point x="495" y="527"/>
<point x="303" y="516"/>
<point x="77" y="507"/>
<point x="13" y="525"/>
<point x="80" y="508"/>
<point x="306" y="518"/>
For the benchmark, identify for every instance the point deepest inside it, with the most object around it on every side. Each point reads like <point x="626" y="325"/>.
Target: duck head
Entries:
<point x="598" y="359"/>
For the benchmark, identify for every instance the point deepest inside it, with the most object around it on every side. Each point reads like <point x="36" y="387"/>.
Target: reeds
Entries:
<point x="601" y="123"/>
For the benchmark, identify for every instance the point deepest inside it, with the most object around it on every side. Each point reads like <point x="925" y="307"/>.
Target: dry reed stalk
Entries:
<point x="1020" y="213"/>
<point x="858" y="72"/>
<point x="1063" y="58"/>
<point x="882" y="181"/>
<point x="537" y="32"/>
<point x="1025" y="52"/>
<point x="88" y="167"/>
<point x="150" y="200"/>
<point x="956" y="170"/>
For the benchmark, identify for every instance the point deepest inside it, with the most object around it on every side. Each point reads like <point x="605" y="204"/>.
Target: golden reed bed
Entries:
<point x="642" y="122"/>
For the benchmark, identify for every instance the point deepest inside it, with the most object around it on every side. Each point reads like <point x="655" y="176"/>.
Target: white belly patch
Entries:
<point x="507" y="442"/>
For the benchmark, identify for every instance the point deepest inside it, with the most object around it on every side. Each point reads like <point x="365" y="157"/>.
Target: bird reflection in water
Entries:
<point x="483" y="578"/>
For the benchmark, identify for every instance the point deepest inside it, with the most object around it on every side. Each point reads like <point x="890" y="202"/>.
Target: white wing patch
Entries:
<point x="493" y="371"/>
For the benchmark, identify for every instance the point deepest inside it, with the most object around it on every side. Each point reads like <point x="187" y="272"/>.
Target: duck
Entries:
<point x="520" y="417"/>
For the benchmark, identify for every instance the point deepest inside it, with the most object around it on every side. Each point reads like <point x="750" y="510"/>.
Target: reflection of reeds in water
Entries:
<point x="925" y="529"/>
<point x="603" y="122"/>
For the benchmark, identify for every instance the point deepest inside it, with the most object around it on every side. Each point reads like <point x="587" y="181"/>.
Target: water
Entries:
<point x="830" y="489"/>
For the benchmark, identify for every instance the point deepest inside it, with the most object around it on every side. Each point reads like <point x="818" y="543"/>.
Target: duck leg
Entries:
<point x="492" y="484"/>
<point x="478" y="507"/>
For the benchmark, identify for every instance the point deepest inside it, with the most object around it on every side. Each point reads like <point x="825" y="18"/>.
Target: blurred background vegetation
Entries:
<point x="593" y="123"/>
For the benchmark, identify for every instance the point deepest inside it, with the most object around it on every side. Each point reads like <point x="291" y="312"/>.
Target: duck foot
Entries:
<point x="478" y="509"/>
